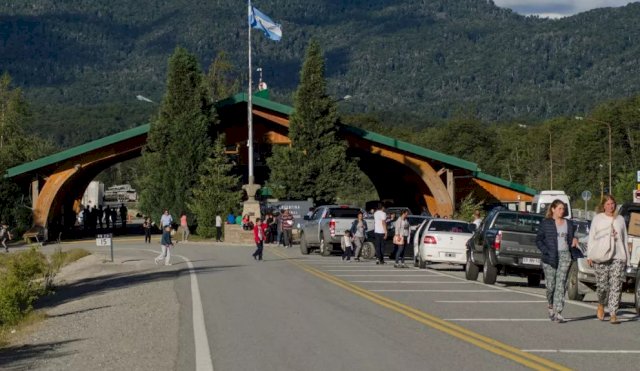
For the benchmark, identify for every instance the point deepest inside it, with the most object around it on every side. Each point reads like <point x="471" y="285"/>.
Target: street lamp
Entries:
<point x="609" y="127"/>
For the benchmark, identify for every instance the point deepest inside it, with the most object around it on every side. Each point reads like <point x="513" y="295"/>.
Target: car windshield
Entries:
<point x="446" y="226"/>
<point x="517" y="222"/>
<point x="343" y="213"/>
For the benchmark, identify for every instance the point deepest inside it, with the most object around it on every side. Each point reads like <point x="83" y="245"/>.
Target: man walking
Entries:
<point x="380" y="232"/>
<point x="287" y="228"/>
<point x="123" y="216"/>
<point x="218" y="228"/>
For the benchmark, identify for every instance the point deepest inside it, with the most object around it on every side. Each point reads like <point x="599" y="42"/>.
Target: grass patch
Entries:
<point x="24" y="277"/>
<point x="8" y="332"/>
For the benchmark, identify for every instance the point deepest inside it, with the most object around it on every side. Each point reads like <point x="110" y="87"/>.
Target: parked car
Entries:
<point x="326" y="226"/>
<point x="582" y="280"/>
<point x="441" y="241"/>
<point x="506" y="243"/>
<point x="369" y="250"/>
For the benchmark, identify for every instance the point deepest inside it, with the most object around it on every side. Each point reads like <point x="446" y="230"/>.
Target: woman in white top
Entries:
<point x="400" y="238"/>
<point x="608" y="230"/>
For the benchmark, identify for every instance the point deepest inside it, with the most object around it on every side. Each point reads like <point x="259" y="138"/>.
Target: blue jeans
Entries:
<point x="258" y="253"/>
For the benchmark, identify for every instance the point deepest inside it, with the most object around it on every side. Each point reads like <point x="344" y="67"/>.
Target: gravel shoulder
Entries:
<point x="106" y="316"/>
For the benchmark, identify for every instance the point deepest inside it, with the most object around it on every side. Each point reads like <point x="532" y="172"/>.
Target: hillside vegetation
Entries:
<point x="82" y="62"/>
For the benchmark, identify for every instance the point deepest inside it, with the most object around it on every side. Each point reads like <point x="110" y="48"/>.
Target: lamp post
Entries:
<point x="609" y="127"/>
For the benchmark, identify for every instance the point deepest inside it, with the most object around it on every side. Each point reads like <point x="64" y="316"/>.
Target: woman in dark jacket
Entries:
<point x="558" y="246"/>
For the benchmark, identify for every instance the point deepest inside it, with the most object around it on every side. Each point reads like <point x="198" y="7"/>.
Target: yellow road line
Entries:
<point x="494" y="346"/>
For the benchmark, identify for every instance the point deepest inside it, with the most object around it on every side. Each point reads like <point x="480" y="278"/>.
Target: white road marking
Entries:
<point x="452" y="291"/>
<point x="491" y="301"/>
<point x="361" y="270"/>
<point x="573" y="302"/>
<point x="203" y="354"/>
<point x="498" y="319"/>
<point x="582" y="351"/>
<point x="426" y="282"/>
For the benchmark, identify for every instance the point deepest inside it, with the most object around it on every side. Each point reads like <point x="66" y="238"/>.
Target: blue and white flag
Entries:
<point x="259" y="20"/>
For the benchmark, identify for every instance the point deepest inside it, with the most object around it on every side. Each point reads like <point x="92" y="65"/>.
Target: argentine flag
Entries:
<point x="259" y="20"/>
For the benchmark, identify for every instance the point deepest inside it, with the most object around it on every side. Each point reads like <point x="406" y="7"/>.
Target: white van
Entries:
<point x="542" y="200"/>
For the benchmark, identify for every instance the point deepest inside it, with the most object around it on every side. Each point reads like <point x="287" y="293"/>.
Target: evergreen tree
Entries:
<point x="221" y="80"/>
<point x="317" y="156"/>
<point x="179" y="140"/>
<point x="217" y="192"/>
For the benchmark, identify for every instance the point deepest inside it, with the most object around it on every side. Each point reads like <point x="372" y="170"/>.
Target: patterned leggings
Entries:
<point x="556" y="280"/>
<point x="609" y="277"/>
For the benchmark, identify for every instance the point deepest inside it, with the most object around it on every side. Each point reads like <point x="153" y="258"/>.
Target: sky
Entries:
<point x="557" y="8"/>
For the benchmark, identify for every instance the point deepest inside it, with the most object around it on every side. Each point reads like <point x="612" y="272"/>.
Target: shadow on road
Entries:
<point x="22" y="357"/>
<point x="95" y="285"/>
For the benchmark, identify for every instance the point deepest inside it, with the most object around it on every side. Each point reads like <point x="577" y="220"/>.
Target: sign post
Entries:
<point x="586" y="196"/>
<point x="105" y="240"/>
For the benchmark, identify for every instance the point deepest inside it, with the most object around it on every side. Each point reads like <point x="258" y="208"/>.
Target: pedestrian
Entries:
<point x="400" y="238"/>
<point x="359" y="232"/>
<point x="380" y="232"/>
<point x="5" y="235"/>
<point x="279" y="227"/>
<point x="391" y="220"/>
<point x="184" y="226"/>
<point x="607" y="250"/>
<point x="287" y="228"/>
<point x="558" y="246"/>
<point x="477" y="219"/>
<point x="147" y="230"/>
<point x="166" y="219"/>
<point x="346" y="244"/>
<point x="123" y="216"/>
<point x="114" y="217"/>
<point x="166" y="246"/>
<point x="310" y="213"/>
<point x="100" y="215"/>
<point x="258" y="236"/>
<point x="269" y="221"/>
<point x="218" y="228"/>
<point x="425" y="211"/>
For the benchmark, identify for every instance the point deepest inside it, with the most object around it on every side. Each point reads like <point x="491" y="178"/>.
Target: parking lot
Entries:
<point x="509" y="311"/>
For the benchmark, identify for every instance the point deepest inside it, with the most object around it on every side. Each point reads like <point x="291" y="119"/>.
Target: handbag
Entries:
<point x="398" y="240"/>
<point x="602" y="252"/>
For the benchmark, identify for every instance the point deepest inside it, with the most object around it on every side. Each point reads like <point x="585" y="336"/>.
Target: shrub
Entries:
<point x="19" y="284"/>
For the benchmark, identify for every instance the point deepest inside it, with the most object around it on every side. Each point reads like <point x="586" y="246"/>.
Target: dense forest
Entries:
<point x="82" y="62"/>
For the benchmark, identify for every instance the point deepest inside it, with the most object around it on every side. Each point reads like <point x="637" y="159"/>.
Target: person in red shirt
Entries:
<point x="259" y="235"/>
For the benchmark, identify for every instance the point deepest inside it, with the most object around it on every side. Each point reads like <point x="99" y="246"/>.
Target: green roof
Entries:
<point x="75" y="151"/>
<point x="260" y="100"/>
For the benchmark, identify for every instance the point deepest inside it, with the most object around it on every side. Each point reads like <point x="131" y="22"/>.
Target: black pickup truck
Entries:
<point x="505" y="243"/>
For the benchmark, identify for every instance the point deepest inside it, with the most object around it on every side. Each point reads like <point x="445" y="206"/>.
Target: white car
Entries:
<point x="441" y="241"/>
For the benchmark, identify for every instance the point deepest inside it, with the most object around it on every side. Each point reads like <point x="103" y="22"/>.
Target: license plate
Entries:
<point x="450" y="255"/>
<point x="532" y="261"/>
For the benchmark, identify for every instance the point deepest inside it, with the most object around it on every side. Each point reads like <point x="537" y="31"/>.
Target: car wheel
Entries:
<point x="422" y="263"/>
<point x="572" y="283"/>
<point x="471" y="270"/>
<point x="489" y="271"/>
<point x="325" y="248"/>
<point x="533" y="280"/>
<point x="368" y="250"/>
<point x="304" y="248"/>
<point x="637" y="293"/>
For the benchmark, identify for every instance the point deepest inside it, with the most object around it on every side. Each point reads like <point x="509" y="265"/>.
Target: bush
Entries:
<point x="20" y="284"/>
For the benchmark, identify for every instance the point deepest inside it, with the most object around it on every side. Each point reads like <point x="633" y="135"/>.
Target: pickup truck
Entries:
<point x="325" y="227"/>
<point x="581" y="278"/>
<point x="505" y="242"/>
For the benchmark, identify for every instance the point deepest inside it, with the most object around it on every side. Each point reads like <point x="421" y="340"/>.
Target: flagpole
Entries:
<point x="250" y="108"/>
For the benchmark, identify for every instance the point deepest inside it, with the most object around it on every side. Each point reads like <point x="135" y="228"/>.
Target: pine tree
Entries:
<point x="179" y="140"/>
<point x="217" y="191"/>
<point x="316" y="165"/>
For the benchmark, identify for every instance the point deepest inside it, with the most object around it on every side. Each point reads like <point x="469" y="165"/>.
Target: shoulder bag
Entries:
<point x="603" y="251"/>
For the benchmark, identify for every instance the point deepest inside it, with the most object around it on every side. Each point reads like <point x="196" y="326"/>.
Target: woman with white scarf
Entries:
<point x="607" y="249"/>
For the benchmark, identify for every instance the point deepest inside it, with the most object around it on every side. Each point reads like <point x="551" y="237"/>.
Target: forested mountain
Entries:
<point x="82" y="62"/>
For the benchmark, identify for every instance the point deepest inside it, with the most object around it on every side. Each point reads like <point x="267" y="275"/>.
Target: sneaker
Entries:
<point x="559" y="319"/>
<point x="552" y="313"/>
<point x="167" y="264"/>
<point x="396" y="265"/>
<point x="155" y="261"/>
<point x="403" y="265"/>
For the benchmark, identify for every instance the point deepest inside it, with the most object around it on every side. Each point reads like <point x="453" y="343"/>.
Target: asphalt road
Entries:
<point x="295" y="312"/>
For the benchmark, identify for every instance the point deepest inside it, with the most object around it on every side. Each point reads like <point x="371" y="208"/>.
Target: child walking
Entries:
<point x="346" y="244"/>
<point x="166" y="244"/>
<point x="5" y="236"/>
<point x="147" y="230"/>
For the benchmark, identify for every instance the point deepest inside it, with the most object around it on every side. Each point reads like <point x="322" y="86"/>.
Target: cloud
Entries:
<point x="557" y="8"/>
